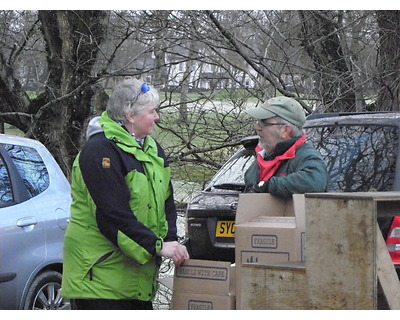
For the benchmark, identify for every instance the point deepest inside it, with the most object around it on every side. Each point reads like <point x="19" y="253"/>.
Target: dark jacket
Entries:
<point x="121" y="213"/>
<point x="306" y="173"/>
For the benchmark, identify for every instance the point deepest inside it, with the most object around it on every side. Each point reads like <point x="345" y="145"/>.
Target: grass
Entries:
<point x="11" y="130"/>
<point x="205" y="129"/>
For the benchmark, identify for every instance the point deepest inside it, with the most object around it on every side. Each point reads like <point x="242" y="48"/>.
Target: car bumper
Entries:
<point x="203" y="243"/>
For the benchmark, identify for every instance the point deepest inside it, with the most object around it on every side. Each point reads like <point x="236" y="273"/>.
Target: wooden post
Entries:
<point x="341" y="253"/>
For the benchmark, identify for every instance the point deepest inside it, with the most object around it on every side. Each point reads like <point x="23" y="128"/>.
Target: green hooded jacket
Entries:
<point x="122" y="212"/>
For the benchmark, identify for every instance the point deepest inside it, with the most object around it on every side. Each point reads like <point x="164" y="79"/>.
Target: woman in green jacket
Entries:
<point x="123" y="216"/>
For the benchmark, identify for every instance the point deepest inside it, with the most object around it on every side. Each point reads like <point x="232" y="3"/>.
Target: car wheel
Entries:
<point x="45" y="293"/>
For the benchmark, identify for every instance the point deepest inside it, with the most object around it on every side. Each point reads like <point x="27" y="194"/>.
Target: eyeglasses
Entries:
<point x="262" y="123"/>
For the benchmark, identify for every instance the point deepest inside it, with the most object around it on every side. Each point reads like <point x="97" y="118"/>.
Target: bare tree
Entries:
<point x="209" y="66"/>
<point x="388" y="77"/>
<point x="56" y="117"/>
<point x="321" y="41"/>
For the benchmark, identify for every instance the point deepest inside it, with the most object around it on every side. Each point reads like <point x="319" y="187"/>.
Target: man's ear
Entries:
<point x="287" y="133"/>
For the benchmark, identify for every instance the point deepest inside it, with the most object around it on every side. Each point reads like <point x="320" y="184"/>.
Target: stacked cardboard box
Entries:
<point x="268" y="230"/>
<point x="204" y="285"/>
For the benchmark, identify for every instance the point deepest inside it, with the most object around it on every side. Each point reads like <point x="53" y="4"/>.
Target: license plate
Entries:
<point x="225" y="229"/>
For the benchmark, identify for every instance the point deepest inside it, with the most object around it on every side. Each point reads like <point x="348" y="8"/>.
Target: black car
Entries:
<point x="361" y="151"/>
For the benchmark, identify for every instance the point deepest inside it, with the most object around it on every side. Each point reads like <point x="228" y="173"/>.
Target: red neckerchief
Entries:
<point x="268" y="168"/>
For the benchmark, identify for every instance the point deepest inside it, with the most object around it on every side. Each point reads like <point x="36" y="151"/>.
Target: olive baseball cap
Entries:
<point x="283" y="107"/>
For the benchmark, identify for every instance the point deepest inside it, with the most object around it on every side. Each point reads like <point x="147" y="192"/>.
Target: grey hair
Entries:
<point x="127" y="98"/>
<point x="297" y="132"/>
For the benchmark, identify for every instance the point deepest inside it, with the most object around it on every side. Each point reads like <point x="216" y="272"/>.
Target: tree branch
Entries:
<point x="236" y="46"/>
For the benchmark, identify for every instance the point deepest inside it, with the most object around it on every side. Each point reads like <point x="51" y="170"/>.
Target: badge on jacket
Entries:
<point x="106" y="163"/>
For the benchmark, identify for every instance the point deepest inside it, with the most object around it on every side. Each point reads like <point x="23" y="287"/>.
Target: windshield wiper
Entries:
<point x="230" y="186"/>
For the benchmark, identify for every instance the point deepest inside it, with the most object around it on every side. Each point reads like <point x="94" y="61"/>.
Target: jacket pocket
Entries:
<point x="99" y="261"/>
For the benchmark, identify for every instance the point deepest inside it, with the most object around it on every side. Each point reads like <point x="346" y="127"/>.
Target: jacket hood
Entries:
<point x="115" y="132"/>
<point x="93" y="127"/>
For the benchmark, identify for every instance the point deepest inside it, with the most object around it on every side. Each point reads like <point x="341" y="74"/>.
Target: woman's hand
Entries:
<point x="175" y="251"/>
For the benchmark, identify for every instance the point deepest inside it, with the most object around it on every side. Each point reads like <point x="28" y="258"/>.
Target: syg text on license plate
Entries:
<point x="225" y="229"/>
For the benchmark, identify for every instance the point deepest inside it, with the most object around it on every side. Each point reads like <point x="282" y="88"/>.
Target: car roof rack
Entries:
<point x="342" y="114"/>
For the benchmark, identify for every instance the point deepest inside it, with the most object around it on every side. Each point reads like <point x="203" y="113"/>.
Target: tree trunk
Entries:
<point x="389" y="60"/>
<point x="184" y="92"/>
<point x="321" y="42"/>
<point x="72" y="41"/>
<point x="350" y="47"/>
<point x="160" y="74"/>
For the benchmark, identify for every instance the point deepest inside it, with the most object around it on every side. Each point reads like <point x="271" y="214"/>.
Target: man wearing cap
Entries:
<point x="286" y="164"/>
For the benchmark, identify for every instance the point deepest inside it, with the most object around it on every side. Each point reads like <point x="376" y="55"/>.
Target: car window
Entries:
<point x="359" y="158"/>
<point x="6" y="196"/>
<point x="30" y="166"/>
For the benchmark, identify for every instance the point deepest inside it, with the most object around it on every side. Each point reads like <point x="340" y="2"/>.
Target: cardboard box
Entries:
<point x="202" y="284"/>
<point x="201" y="301"/>
<point x="268" y="230"/>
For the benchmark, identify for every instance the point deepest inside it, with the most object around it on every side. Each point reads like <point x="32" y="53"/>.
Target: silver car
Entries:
<point x="34" y="210"/>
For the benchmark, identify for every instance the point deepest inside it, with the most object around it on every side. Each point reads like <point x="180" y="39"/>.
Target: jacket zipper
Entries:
<point x="100" y="260"/>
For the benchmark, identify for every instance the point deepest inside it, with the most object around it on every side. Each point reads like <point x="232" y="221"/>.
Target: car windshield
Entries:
<point x="359" y="158"/>
<point x="231" y="175"/>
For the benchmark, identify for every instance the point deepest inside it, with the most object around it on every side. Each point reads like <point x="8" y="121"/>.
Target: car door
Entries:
<point x="22" y="245"/>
